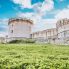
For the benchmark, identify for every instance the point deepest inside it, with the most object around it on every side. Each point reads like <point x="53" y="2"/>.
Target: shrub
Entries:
<point x="15" y="41"/>
<point x="23" y="41"/>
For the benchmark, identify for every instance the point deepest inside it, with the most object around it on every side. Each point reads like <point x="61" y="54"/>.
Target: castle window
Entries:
<point x="11" y="31"/>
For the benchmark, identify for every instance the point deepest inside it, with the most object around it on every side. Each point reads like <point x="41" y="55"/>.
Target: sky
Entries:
<point x="44" y="13"/>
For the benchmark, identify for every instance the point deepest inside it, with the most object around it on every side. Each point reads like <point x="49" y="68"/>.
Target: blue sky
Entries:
<point x="44" y="13"/>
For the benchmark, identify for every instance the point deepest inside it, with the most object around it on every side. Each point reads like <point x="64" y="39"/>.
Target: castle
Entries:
<point x="20" y="28"/>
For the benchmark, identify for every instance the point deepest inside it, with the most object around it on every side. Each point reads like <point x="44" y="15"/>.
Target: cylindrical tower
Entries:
<point x="20" y="28"/>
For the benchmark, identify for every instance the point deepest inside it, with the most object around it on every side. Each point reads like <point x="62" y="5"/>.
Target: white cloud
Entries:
<point x="23" y="3"/>
<point x="44" y="24"/>
<point x="47" y="5"/>
<point x="3" y="34"/>
<point x="62" y="14"/>
<point x="4" y="21"/>
<point x="4" y="25"/>
<point x="42" y="8"/>
<point x="20" y="14"/>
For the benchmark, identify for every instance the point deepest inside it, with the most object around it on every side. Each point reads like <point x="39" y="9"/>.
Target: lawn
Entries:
<point x="34" y="56"/>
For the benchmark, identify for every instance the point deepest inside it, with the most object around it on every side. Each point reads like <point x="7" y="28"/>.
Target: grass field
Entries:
<point x="34" y="56"/>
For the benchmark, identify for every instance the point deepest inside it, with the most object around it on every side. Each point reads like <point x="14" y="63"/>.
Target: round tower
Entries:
<point x="20" y="28"/>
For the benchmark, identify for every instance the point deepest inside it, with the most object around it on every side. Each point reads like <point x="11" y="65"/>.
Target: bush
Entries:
<point x="23" y="41"/>
<point x="15" y="41"/>
<point x="28" y="41"/>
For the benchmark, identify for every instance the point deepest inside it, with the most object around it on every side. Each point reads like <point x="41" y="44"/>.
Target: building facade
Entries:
<point x="58" y="35"/>
<point x="20" y="28"/>
<point x="45" y="35"/>
<point x="63" y="30"/>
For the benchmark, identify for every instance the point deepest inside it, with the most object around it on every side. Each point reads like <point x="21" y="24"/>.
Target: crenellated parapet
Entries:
<point x="62" y="22"/>
<point x="13" y="20"/>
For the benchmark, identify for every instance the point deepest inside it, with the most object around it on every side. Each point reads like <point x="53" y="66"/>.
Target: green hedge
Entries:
<point x="23" y="41"/>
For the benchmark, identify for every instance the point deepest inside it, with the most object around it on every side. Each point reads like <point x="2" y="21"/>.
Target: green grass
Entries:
<point x="34" y="56"/>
